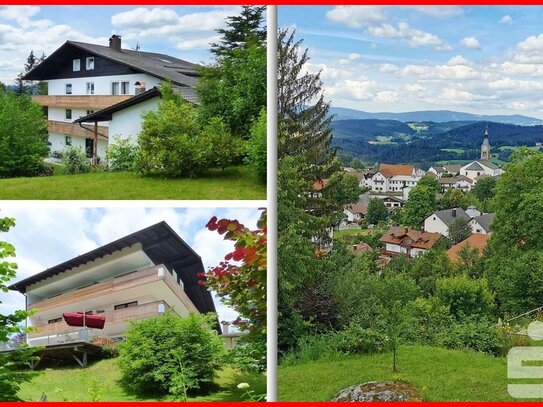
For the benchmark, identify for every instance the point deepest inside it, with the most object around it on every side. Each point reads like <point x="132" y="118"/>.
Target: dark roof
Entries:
<point x="419" y="239"/>
<point x="452" y="168"/>
<point x="448" y="215"/>
<point x="180" y="72"/>
<point x="474" y="166"/>
<point x="485" y="220"/>
<point x="161" y="244"/>
<point x="488" y="164"/>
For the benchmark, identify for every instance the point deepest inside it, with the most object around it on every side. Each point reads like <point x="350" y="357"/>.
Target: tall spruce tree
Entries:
<point x="242" y="29"/>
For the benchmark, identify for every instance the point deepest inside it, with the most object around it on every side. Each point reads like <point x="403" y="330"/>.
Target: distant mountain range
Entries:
<point x="438" y="116"/>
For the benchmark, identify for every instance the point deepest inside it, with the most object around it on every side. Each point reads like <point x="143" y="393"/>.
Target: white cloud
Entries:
<point x="356" y="16"/>
<point x="356" y="89"/>
<point x="20" y="14"/>
<point x="532" y="43"/>
<point x="389" y="68"/>
<point x="353" y="56"/>
<point x="415" y="88"/>
<point x="506" y="19"/>
<point x="471" y="43"/>
<point x="142" y="17"/>
<point x="415" y="38"/>
<point x="440" y="11"/>
<point x="458" y="60"/>
<point x="387" y="96"/>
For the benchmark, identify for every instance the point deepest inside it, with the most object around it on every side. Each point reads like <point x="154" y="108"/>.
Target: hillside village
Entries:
<point x="392" y="185"/>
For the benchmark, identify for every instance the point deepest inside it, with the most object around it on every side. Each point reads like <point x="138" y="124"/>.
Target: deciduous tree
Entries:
<point x="377" y="211"/>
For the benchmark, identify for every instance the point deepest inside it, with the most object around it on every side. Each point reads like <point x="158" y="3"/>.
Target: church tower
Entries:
<point x="485" y="147"/>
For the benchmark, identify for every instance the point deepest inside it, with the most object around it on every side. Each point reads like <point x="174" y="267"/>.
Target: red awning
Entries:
<point x="78" y="319"/>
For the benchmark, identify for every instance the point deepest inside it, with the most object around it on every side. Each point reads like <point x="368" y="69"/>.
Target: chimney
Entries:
<point x="454" y="213"/>
<point x="115" y="42"/>
<point x="225" y="327"/>
<point x="140" y="87"/>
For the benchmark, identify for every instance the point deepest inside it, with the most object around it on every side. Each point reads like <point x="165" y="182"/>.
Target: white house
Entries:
<point x="440" y="171"/>
<point x="409" y="242"/>
<point x="83" y="79"/>
<point x="136" y="277"/>
<point x="440" y="221"/>
<point x="459" y="182"/>
<point x="393" y="178"/>
<point x="355" y="212"/>
<point x="477" y="168"/>
<point x="482" y="223"/>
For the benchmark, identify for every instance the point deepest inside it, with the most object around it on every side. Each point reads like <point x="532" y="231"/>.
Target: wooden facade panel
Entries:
<point x="88" y="102"/>
<point x="139" y="312"/>
<point x="96" y="290"/>
<point x="71" y="129"/>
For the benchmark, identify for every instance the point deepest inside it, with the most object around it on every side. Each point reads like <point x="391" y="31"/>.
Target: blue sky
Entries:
<point x="183" y="31"/>
<point x="46" y="236"/>
<point x="486" y="59"/>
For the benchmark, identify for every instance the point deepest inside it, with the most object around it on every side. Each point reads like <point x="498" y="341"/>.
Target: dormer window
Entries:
<point x="77" y="65"/>
<point x="90" y="63"/>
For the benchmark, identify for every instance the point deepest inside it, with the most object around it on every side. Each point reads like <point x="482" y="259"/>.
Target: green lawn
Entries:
<point x="233" y="183"/>
<point x="453" y="150"/>
<point x="74" y="383"/>
<point x="338" y="234"/>
<point x="439" y="374"/>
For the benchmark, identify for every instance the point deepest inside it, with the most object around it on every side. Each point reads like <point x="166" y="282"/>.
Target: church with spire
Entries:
<point x="485" y="147"/>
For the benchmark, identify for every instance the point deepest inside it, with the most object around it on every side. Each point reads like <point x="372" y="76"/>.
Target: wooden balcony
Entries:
<point x="138" y="312"/>
<point x="88" y="102"/>
<point x="71" y="129"/>
<point x="113" y="285"/>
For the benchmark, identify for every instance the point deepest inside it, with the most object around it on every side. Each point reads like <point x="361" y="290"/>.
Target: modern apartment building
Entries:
<point x="84" y="79"/>
<point x="136" y="277"/>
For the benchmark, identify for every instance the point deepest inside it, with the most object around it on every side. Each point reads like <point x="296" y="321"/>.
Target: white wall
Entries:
<point x="128" y="122"/>
<point x="58" y="143"/>
<point x="102" y="84"/>
<point x="433" y="224"/>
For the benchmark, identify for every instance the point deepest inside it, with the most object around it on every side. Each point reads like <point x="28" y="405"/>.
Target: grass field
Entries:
<point x="439" y="374"/>
<point x="233" y="183"/>
<point x="76" y="384"/>
<point x="339" y="234"/>
<point x="453" y="150"/>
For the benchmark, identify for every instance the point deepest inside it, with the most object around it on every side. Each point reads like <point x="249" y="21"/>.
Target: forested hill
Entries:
<point x="425" y="143"/>
<point x="341" y="113"/>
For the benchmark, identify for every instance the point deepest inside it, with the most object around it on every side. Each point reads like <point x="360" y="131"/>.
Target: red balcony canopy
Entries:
<point x="80" y="319"/>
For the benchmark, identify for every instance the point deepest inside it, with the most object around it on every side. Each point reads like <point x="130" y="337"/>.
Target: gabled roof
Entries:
<point x="358" y="207"/>
<point x="419" y="239"/>
<point x="485" y="221"/>
<point x="452" y="169"/>
<point x="475" y="241"/>
<point x="448" y="216"/>
<point x="474" y="166"/>
<point x="161" y="244"/>
<point x="180" y="72"/>
<point x="390" y="170"/>
<point x="488" y="164"/>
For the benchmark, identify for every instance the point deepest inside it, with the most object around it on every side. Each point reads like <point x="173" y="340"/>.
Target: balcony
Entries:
<point x="88" y="102"/>
<point x="60" y="332"/>
<point x="71" y="129"/>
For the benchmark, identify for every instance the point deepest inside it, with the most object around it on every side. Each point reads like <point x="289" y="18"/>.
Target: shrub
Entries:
<point x="465" y="297"/>
<point x="474" y="334"/>
<point x="312" y="348"/>
<point x="23" y="134"/>
<point x="174" y="144"/>
<point x="358" y="340"/>
<point x="158" y="350"/>
<point x="257" y="147"/>
<point x="121" y="154"/>
<point x="75" y="161"/>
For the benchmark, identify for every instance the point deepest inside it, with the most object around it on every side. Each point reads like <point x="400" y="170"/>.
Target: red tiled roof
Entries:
<point x="320" y="184"/>
<point x="475" y="241"/>
<point x="357" y="208"/>
<point x="390" y="170"/>
<point x="361" y="248"/>
<point x="420" y="240"/>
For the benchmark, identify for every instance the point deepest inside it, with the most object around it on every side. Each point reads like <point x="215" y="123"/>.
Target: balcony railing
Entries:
<point x="71" y="129"/>
<point x="60" y="332"/>
<point x="89" y="102"/>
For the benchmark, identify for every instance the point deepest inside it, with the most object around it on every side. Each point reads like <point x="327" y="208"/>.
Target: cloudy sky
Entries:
<point x="486" y="59"/>
<point x="184" y="32"/>
<point x="44" y="237"/>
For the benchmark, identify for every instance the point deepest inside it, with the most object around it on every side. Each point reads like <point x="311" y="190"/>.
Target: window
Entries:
<point x="68" y="140"/>
<point x="90" y="63"/>
<point x="68" y="114"/>
<point x="100" y="311"/>
<point x="77" y="65"/>
<point x="90" y="88"/>
<point x="126" y="305"/>
<point x="115" y="88"/>
<point x="52" y="321"/>
<point x="125" y="88"/>
<point x="68" y="88"/>
<point x="90" y="112"/>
